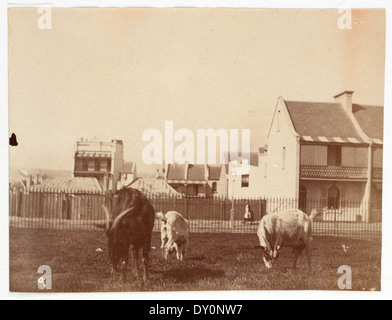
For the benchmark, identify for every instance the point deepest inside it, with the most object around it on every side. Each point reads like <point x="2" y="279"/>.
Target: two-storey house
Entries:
<point x="326" y="151"/>
<point x="101" y="160"/>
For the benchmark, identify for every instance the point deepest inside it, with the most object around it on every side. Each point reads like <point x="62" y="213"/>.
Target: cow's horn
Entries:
<point x="120" y="216"/>
<point x="107" y="216"/>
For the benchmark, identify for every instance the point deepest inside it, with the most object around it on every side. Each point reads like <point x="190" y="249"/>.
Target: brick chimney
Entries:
<point x="346" y="100"/>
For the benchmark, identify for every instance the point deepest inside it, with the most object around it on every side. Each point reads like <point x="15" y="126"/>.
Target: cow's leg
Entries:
<point x="146" y="258"/>
<point x="163" y="248"/>
<point x="112" y="270"/>
<point x="296" y="252"/>
<point x="169" y="244"/>
<point x="278" y="245"/>
<point x="165" y="253"/>
<point x="124" y="268"/>
<point x="177" y="248"/>
<point x="308" y="253"/>
<point x="135" y="253"/>
<point x="183" y="249"/>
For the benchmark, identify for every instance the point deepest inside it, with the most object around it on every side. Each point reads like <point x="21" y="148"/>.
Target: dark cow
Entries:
<point x="129" y="224"/>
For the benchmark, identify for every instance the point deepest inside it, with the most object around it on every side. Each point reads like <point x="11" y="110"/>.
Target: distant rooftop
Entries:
<point x="155" y="186"/>
<point x="129" y="167"/>
<point x="68" y="184"/>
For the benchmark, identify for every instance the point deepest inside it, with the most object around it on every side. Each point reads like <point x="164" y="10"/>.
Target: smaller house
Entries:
<point x="98" y="159"/>
<point x="67" y="198"/>
<point x="196" y="180"/>
<point x="68" y="185"/>
<point x="245" y="184"/>
<point x="22" y="179"/>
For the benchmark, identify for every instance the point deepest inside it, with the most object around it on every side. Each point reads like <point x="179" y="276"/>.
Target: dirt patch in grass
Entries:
<point x="213" y="262"/>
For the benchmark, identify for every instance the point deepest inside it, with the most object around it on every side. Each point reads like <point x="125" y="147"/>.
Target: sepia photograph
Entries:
<point x="195" y="149"/>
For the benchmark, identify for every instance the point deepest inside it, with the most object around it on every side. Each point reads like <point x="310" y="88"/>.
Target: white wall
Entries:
<point x="282" y="174"/>
<point x="253" y="191"/>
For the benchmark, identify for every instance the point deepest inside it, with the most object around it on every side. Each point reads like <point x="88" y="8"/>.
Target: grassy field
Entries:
<point x="213" y="262"/>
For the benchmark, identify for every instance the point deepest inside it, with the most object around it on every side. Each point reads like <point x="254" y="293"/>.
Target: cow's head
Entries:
<point x="166" y="232"/>
<point x="270" y="256"/>
<point x="118" y="242"/>
<point x="164" y="226"/>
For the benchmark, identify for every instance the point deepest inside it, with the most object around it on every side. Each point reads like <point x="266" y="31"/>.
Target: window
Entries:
<point x="245" y="181"/>
<point x="79" y="165"/>
<point x="214" y="187"/>
<point x="104" y="166"/>
<point x="355" y="157"/>
<point x="91" y="165"/>
<point x="283" y="158"/>
<point x="85" y="164"/>
<point x="377" y="157"/>
<point x="334" y="157"/>
<point x="277" y="122"/>
<point x="333" y="198"/>
<point x="97" y="165"/>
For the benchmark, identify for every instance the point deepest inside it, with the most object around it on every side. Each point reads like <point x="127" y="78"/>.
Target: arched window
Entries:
<point x="214" y="187"/>
<point x="333" y="198"/>
<point x="302" y="198"/>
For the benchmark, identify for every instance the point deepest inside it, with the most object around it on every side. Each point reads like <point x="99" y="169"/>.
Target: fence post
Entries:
<point x="232" y="213"/>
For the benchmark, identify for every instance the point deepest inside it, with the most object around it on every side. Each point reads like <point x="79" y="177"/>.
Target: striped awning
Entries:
<point x="186" y="182"/>
<point x="331" y="139"/>
<point x="92" y="154"/>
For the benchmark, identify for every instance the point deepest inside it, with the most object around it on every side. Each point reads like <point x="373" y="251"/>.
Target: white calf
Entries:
<point x="174" y="234"/>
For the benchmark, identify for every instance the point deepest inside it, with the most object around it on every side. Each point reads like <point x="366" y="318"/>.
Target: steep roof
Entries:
<point x="214" y="172"/>
<point x="176" y="172"/>
<point x="68" y="184"/>
<point x="155" y="186"/>
<point x="321" y="120"/>
<point x="371" y="120"/>
<point x="128" y="166"/>
<point x="196" y="172"/>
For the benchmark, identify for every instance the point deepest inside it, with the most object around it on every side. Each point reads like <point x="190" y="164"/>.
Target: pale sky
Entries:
<point x="113" y="73"/>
